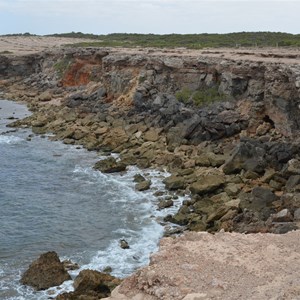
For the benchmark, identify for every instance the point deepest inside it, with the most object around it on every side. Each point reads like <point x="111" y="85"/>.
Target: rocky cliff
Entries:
<point x="226" y="127"/>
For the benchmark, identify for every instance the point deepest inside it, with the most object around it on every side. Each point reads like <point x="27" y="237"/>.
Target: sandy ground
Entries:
<point x="225" y="266"/>
<point x="20" y="45"/>
<point x="32" y="44"/>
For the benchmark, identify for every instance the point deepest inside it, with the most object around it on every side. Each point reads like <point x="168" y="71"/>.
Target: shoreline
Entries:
<point x="152" y="175"/>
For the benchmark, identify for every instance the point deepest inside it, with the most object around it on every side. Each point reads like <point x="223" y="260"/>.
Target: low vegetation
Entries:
<point x="62" y="65"/>
<point x="200" y="97"/>
<point x="191" y="41"/>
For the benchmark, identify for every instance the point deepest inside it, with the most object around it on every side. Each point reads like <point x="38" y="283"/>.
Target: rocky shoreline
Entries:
<point x="235" y="151"/>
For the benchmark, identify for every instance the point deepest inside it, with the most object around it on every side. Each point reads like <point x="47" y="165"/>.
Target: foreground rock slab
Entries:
<point x="221" y="266"/>
<point x="45" y="272"/>
<point x="91" y="285"/>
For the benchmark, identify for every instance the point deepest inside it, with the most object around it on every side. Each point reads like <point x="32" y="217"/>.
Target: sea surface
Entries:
<point x="51" y="199"/>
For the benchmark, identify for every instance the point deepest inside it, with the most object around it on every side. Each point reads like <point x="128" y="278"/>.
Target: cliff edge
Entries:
<point x="225" y="266"/>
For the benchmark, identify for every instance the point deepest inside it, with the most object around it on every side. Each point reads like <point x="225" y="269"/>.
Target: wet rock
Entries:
<point x="206" y="184"/>
<point x="143" y="186"/>
<point x="47" y="271"/>
<point x="110" y="165"/>
<point x="70" y="266"/>
<point x="124" y="244"/>
<point x="165" y="204"/>
<point x="107" y="270"/>
<point x="138" y="178"/>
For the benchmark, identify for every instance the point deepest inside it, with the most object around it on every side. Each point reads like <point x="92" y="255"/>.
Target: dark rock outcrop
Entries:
<point x="47" y="271"/>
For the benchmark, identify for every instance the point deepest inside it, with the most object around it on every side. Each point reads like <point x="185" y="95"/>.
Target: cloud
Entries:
<point x="148" y="16"/>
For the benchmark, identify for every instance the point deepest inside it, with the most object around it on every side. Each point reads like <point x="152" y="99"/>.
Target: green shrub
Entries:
<point x="62" y="65"/>
<point x="184" y="95"/>
<point x="201" y="97"/>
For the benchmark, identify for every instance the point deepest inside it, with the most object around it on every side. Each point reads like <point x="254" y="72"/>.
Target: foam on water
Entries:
<point x="134" y="216"/>
<point x="10" y="139"/>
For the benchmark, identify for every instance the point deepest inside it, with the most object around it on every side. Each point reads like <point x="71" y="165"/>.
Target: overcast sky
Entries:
<point x="148" y="16"/>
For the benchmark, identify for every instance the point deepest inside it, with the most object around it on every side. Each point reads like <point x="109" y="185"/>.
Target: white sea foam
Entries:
<point x="143" y="239"/>
<point x="10" y="139"/>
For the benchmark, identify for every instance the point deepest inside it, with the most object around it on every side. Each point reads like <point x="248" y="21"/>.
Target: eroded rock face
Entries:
<point x="47" y="271"/>
<point x="128" y="103"/>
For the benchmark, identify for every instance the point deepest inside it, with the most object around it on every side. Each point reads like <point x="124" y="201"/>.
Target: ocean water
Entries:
<point x="51" y="199"/>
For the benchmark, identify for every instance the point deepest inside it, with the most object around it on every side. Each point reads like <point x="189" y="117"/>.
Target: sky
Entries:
<point x="148" y="16"/>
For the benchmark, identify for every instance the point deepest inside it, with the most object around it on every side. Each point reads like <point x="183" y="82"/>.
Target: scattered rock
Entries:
<point x="70" y="266"/>
<point x="124" y="244"/>
<point x="174" y="182"/>
<point x="165" y="204"/>
<point x="110" y="165"/>
<point x="138" y="178"/>
<point x="143" y="186"/>
<point x="282" y="216"/>
<point x="45" y="96"/>
<point x="206" y="184"/>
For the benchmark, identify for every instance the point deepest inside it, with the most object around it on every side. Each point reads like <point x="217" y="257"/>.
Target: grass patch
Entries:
<point x="62" y="65"/>
<point x="201" y="97"/>
<point x="190" y="41"/>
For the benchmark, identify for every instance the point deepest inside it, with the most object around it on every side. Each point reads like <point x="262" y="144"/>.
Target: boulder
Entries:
<point x="232" y="189"/>
<point x="45" y="96"/>
<point x="110" y="165"/>
<point x="206" y="184"/>
<point x="292" y="182"/>
<point x="138" y="178"/>
<point x="297" y="215"/>
<point x="260" y="200"/>
<point x="165" y="204"/>
<point x="283" y="216"/>
<point x="124" y="244"/>
<point x="246" y="156"/>
<point x="151" y="135"/>
<point x="91" y="285"/>
<point x="143" y="186"/>
<point x="293" y="167"/>
<point x="174" y="182"/>
<point x="47" y="271"/>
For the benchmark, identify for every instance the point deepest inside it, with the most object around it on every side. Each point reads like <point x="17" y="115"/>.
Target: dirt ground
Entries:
<point x="225" y="266"/>
<point x="24" y="45"/>
<point x="20" y="45"/>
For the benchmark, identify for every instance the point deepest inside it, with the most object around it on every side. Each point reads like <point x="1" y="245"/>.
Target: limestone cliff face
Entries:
<point x="146" y="83"/>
